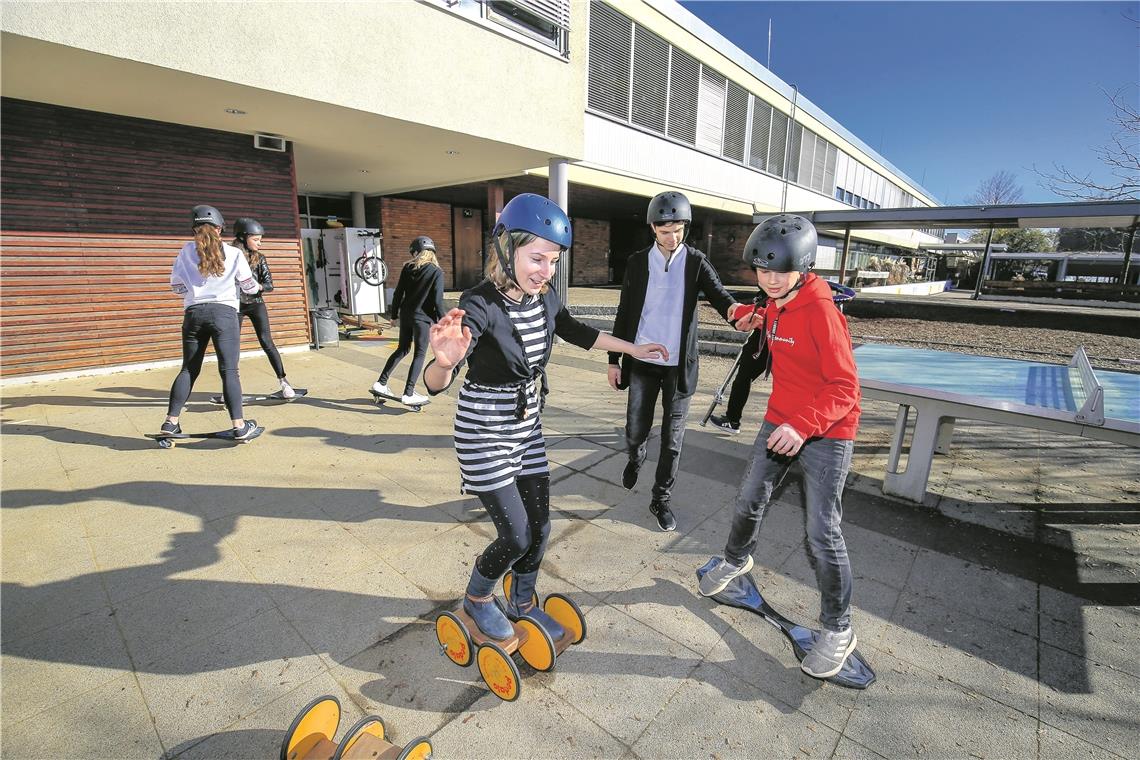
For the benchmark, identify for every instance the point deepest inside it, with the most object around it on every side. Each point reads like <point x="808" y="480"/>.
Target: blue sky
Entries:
<point x="952" y="92"/>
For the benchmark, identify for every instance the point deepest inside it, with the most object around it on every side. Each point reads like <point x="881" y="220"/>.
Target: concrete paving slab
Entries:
<point x="31" y="603"/>
<point x="978" y="590"/>
<point x="109" y="721"/>
<point x="1058" y="745"/>
<point x="1108" y="635"/>
<point x="1103" y="713"/>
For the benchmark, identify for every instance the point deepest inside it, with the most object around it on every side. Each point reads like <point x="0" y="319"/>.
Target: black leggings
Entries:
<point x="201" y="324"/>
<point x="411" y="331"/>
<point x="260" y="318"/>
<point x="752" y="365"/>
<point x="521" y="513"/>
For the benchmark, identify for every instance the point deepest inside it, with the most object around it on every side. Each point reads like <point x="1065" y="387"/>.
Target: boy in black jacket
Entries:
<point x="659" y="304"/>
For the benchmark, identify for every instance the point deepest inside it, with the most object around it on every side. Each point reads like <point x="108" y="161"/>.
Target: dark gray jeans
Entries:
<point x="201" y="324"/>
<point x="825" y="462"/>
<point x="646" y="382"/>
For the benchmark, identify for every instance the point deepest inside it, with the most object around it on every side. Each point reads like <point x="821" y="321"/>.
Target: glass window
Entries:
<point x="547" y="21"/>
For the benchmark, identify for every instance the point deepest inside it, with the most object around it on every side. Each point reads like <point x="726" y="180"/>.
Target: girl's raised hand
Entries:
<point x="450" y="339"/>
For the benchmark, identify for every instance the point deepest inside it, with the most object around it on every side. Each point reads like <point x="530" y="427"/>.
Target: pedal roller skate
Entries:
<point x="311" y="737"/>
<point x="559" y="615"/>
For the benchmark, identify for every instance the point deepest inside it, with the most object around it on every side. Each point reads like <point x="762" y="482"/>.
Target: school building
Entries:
<point x="410" y="117"/>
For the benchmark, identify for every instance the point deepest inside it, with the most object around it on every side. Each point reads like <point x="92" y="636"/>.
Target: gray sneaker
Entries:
<point x="829" y="652"/>
<point x="721" y="574"/>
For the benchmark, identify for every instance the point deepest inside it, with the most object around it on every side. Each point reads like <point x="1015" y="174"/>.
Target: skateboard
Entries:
<point x="166" y="440"/>
<point x="218" y="399"/>
<point x="311" y="737"/>
<point x="382" y="399"/>
<point x="461" y="641"/>
<point x="744" y="593"/>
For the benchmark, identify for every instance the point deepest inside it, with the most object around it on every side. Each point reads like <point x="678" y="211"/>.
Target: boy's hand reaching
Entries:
<point x="785" y="440"/>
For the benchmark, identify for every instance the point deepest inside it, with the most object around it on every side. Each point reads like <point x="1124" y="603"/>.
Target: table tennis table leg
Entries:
<point x="945" y="434"/>
<point x="929" y="428"/>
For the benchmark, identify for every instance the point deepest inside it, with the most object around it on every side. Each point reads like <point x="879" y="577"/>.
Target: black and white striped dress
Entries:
<point x="493" y="444"/>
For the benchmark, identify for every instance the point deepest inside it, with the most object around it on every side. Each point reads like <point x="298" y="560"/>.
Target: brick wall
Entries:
<point x="726" y="254"/>
<point x="589" y="259"/>
<point x="403" y="220"/>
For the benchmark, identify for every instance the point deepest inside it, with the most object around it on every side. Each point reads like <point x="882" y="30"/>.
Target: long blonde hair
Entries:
<point x="211" y="258"/>
<point x="426" y="256"/>
<point x="495" y="272"/>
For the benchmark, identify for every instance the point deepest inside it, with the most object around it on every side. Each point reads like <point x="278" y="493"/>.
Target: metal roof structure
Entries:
<point x="1118" y="214"/>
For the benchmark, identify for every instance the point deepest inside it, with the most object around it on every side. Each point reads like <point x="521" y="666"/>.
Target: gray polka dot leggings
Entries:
<point x="521" y="513"/>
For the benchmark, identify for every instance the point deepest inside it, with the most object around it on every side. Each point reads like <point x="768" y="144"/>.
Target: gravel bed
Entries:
<point x="1056" y="346"/>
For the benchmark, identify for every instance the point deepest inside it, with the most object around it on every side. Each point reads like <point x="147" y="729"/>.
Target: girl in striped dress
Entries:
<point x="504" y="329"/>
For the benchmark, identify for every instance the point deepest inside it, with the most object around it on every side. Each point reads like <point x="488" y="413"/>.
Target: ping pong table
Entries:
<point x="942" y="386"/>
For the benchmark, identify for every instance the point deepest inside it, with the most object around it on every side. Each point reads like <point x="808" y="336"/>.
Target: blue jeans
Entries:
<point x="646" y="382"/>
<point x="825" y="462"/>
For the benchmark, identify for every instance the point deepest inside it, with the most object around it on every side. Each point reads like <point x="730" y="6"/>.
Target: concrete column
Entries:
<point x="558" y="190"/>
<point x="357" y="200"/>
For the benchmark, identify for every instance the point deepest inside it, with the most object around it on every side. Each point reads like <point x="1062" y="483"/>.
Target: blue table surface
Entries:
<point x="1054" y="386"/>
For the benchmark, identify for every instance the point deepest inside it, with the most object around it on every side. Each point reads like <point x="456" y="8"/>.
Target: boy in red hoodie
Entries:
<point x="812" y="417"/>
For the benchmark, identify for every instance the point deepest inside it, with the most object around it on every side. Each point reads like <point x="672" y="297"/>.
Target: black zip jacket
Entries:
<point x="699" y="277"/>
<point x="496" y="356"/>
<point x="418" y="294"/>
<point x="264" y="278"/>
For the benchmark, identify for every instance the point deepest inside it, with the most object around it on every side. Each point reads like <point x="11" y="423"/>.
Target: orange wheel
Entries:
<point x="566" y="612"/>
<point x="317" y="722"/>
<point x="417" y="749"/>
<point x="499" y="672"/>
<point x="372" y="725"/>
<point x="538" y="650"/>
<point x="454" y="639"/>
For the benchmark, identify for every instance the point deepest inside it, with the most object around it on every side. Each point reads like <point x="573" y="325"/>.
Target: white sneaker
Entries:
<point x="830" y="651"/>
<point x="414" y="399"/>
<point x="382" y="389"/>
<point x="287" y="390"/>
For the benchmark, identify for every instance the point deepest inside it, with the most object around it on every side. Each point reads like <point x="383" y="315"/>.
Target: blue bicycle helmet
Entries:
<point x="534" y="214"/>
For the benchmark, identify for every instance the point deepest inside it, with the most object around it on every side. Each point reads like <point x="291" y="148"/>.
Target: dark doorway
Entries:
<point x="626" y="238"/>
<point x="467" y="224"/>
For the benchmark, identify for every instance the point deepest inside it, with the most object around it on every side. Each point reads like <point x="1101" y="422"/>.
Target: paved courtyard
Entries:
<point x="187" y="603"/>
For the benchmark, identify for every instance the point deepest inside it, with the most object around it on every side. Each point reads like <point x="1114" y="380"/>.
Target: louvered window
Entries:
<point x="794" y="152"/>
<point x="684" y="82"/>
<point x="761" y="129"/>
<point x="735" y="122"/>
<point x="611" y="36"/>
<point x="779" y="143"/>
<point x="547" y="21"/>
<point x="710" y="111"/>
<point x="818" y="163"/>
<point x="650" y="80"/>
<point x="828" y="186"/>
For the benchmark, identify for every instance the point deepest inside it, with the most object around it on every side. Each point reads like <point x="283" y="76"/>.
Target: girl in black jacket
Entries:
<point x="247" y="237"/>
<point x="504" y="328"/>
<point x="418" y="303"/>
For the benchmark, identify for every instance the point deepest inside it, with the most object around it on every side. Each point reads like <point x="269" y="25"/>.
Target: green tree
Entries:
<point x="1018" y="240"/>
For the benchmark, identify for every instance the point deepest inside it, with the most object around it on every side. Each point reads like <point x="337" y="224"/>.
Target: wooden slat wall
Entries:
<point x="96" y="207"/>
<point x="76" y="302"/>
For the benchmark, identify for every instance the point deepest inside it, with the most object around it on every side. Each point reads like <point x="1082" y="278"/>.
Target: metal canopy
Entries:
<point x="1083" y="214"/>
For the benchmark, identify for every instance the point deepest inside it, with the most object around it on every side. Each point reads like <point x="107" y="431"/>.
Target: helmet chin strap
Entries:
<point x="506" y="262"/>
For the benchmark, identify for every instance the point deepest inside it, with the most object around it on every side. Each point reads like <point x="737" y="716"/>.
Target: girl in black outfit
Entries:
<point x="504" y="328"/>
<point x="247" y="237"/>
<point x="418" y="303"/>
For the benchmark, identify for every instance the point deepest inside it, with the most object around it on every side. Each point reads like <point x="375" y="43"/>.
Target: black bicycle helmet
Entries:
<point x="421" y="244"/>
<point x="784" y="243"/>
<point x="669" y="206"/>
<point x="246" y="226"/>
<point x="207" y="215"/>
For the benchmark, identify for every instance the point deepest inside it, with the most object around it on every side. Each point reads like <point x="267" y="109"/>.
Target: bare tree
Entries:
<point x="1001" y="188"/>
<point x="1121" y="155"/>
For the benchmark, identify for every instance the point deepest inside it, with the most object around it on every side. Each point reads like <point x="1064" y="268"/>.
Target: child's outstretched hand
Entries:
<point x="650" y="351"/>
<point x="450" y="339"/>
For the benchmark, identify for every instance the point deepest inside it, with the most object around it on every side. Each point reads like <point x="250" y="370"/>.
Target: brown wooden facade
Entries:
<point x="95" y="208"/>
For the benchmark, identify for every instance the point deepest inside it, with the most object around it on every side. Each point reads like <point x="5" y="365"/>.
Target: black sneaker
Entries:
<point x="629" y="474"/>
<point x="724" y="423"/>
<point x="665" y="519"/>
<point x="245" y="431"/>
<point x="171" y="427"/>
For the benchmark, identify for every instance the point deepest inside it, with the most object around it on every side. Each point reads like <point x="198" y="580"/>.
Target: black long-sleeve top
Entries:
<point x="418" y="294"/>
<point x="496" y="355"/>
<point x="699" y="277"/>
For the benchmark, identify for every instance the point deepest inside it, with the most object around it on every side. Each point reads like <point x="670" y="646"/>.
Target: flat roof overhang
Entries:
<point x="1114" y="214"/>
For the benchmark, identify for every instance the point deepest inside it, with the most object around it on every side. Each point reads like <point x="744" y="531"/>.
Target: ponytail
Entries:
<point x="211" y="260"/>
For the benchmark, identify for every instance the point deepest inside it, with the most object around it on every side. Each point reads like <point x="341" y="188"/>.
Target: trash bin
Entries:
<point x="325" y="327"/>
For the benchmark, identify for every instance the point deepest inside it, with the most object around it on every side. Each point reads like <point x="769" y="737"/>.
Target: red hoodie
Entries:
<point x="815" y="386"/>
